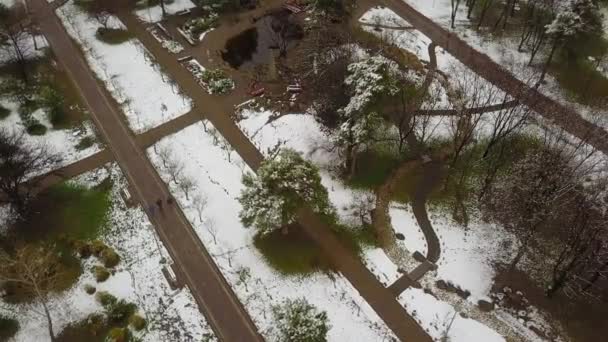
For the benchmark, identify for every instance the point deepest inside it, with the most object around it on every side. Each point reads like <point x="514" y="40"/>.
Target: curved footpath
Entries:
<point x="431" y="175"/>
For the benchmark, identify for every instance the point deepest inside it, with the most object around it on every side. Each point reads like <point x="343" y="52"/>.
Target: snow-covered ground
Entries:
<point x="467" y="255"/>
<point x="147" y="96"/>
<point x="61" y="141"/>
<point x="206" y="159"/>
<point x="154" y="13"/>
<point x="137" y="279"/>
<point x="504" y="52"/>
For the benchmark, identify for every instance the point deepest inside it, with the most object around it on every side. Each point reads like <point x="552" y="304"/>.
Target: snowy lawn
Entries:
<point x="467" y="255"/>
<point x="138" y="279"/>
<point x="147" y="96"/>
<point x="504" y="52"/>
<point x="201" y="156"/>
<point x="154" y="14"/>
<point x="60" y="141"/>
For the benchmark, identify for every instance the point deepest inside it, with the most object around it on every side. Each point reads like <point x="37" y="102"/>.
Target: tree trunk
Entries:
<point x="49" y="321"/>
<point x="520" y="253"/>
<point x="162" y="7"/>
<point x="548" y="62"/>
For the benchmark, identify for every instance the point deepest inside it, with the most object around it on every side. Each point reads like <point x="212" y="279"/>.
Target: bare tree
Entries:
<point x="186" y="184"/>
<point x="582" y="241"/>
<point x="199" y="201"/>
<point x="35" y="269"/>
<point x="20" y="161"/>
<point x="455" y="4"/>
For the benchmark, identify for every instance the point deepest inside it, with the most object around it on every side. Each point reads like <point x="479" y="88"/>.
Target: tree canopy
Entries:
<point x="283" y="184"/>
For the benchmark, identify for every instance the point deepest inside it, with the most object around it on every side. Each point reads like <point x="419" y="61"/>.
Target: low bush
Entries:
<point x="101" y="273"/>
<point x="137" y="322"/>
<point x="105" y="299"/>
<point x="36" y="128"/>
<point x="217" y="81"/>
<point x="120" y="311"/>
<point x="118" y="335"/>
<point x="109" y="257"/>
<point x="197" y="26"/>
<point x="85" y="143"/>
<point x="113" y="36"/>
<point x="8" y="328"/>
<point x="4" y="112"/>
<point x="90" y="289"/>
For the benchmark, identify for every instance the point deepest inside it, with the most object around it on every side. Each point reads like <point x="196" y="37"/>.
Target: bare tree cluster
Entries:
<point x="14" y="37"/>
<point x="20" y="162"/>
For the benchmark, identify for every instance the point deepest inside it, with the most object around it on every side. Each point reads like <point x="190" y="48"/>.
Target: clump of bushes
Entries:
<point x="103" y="252"/>
<point x="120" y="311"/>
<point x="36" y="128"/>
<point x="109" y="257"/>
<point x="4" y="112"/>
<point x="217" y="81"/>
<point x="137" y="322"/>
<point x="196" y="26"/>
<point x="95" y="323"/>
<point x="101" y="273"/>
<point x="89" y="289"/>
<point x="105" y="299"/>
<point x="118" y="335"/>
<point x="8" y="327"/>
<point x="53" y="102"/>
<point x="85" y="143"/>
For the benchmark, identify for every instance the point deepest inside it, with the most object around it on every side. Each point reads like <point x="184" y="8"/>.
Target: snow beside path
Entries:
<point x="60" y="141"/>
<point x="138" y="279"/>
<point x="465" y="260"/>
<point x="205" y="158"/>
<point x="435" y="316"/>
<point x="154" y="14"/>
<point x="147" y="96"/>
<point x="504" y="52"/>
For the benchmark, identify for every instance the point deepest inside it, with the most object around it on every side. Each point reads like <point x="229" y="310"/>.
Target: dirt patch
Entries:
<point x="583" y="321"/>
<point x="276" y="31"/>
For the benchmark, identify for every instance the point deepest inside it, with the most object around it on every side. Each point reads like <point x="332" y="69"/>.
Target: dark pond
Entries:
<point x="276" y="30"/>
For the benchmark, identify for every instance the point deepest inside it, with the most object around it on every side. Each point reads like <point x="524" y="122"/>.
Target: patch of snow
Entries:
<point x="504" y="52"/>
<point x="147" y="96"/>
<point x="154" y="14"/>
<point x="441" y="319"/>
<point x="28" y="49"/>
<point x="138" y="279"/>
<point x="216" y="171"/>
<point x="61" y="141"/>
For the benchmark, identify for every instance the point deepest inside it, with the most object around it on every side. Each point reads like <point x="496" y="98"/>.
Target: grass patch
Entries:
<point x="92" y="329"/>
<point x="8" y="328"/>
<point x="113" y="36"/>
<point x="69" y="210"/>
<point x="4" y="112"/>
<point x="376" y="165"/>
<point x="296" y="254"/>
<point x="85" y="143"/>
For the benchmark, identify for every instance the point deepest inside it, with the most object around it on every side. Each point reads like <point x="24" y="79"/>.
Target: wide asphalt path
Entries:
<point x="214" y="295"/>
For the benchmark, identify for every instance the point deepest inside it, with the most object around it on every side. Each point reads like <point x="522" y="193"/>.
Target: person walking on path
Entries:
<point x="159" y="203"/>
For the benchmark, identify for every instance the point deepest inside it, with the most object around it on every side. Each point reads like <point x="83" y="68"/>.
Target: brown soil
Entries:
<point x="582" y="321"/>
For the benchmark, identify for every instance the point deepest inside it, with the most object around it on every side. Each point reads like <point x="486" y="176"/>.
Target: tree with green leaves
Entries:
<point x="283" y="184"/>
<point x="299" y="321"/>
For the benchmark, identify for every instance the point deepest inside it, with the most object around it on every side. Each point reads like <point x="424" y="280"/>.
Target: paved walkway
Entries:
<point x="103" y="157"/>
<point x="567" y="119"/>
<point x="218" y="110"/>
<point x="214" y="295"/>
